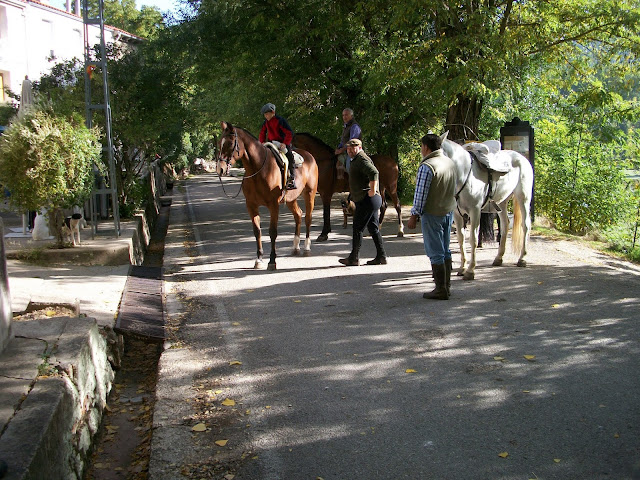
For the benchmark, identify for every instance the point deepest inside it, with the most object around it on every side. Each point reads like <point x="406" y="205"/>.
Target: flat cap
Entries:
<point x="269" y="107"/>
<point x="354" y="142"/>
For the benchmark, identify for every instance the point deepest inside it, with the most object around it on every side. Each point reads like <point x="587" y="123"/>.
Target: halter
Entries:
<point x="236" y="149"/>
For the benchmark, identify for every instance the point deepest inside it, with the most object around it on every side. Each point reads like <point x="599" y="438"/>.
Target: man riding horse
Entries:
<point x="351" y="130"/>
<point x="276" y="128"/>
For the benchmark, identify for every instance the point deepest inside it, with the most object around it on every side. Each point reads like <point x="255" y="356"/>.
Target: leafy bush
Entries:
<point x="47" y="162"/>
<point x="580" y="184"/>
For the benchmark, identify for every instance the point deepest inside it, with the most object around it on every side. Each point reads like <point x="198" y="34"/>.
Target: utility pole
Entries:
<point x="97" y="63"/>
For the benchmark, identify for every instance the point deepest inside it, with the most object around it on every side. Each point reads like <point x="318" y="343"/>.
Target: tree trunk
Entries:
<point x="56" y="222"/>
<point x="463" y="118"/>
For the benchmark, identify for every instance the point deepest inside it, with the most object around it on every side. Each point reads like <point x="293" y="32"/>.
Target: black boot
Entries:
<point x="291" y="181"/>
<point x="440" y="292"/>
<point x="353" y="259"/>
<point x="448" y="266"/>
<point x="381" y="256"/>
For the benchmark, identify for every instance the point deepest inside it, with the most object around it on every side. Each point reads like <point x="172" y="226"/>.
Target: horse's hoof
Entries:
<point x="322" y="238"/>
<point x="460" y="273"/>
<point x="521" y="263"/>
<point x="259" y="265"/>
<point x="468" y="276"/>
<point x="295" y="252"/>
<point x="306" y="253"/>
<point x="400" y="234"/>
<point x="497" y="262"/>
<point x="271" y="266"/>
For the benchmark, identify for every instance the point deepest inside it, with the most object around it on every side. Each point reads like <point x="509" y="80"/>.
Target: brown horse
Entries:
<point x="328" y="182"/>
<point x="262" y="185"/>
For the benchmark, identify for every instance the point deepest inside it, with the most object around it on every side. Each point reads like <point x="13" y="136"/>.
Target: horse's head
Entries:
<point x="228" y="149"/>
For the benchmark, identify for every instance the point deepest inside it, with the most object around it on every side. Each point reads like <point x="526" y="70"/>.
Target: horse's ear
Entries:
<point x="443" y="137"/>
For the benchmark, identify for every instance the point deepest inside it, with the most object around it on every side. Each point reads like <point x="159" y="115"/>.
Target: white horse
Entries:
<point x="474" y="190"/>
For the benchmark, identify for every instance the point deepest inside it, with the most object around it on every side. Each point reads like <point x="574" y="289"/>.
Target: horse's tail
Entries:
<point x="486" y="232"/>
<point x="517" y="233"/>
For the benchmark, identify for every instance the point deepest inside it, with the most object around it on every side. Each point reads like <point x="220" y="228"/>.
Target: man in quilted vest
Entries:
<point x="434" y="201"/>
<point x="350" y="130"/>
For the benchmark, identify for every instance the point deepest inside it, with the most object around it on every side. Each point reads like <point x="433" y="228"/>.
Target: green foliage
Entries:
<point x="580" y="185"/>
<point x="47" y="161"/>
<point x="7" y="112"/>
<point x="123" y="14"/>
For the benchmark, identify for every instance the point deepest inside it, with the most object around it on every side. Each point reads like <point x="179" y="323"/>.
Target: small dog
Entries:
<point x="71" y="227"/>
<point x="348" y="207"/>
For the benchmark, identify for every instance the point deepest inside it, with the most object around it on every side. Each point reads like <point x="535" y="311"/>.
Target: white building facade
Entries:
<point x="32" y="33"/>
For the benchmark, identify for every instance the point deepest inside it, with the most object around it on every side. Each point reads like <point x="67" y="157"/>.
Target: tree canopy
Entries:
<point x="397" y="64"/>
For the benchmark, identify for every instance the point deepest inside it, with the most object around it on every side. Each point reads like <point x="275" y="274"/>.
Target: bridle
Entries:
<point x="236" y="150"/>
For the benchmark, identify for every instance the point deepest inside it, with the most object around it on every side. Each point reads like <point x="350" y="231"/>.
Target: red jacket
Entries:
<point x="276" y="129"/>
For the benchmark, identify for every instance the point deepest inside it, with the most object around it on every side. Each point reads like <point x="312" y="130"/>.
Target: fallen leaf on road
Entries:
<point x="616" y="435"/>
<point x="410" y="370"/>
<point x="200" y="427"/>
<point x="235" y="362"/>
<point x="557" y="460"/>
<point x="503" y="454"/>
<point x="555" y="305"/>
<point x="221" y="443"/>
<point x="529" y="357"/>
<point x="297" y="301"/>
<point x="499" y="359"/>
<point x="229" y="476"/>
<point x="227" y="402"/>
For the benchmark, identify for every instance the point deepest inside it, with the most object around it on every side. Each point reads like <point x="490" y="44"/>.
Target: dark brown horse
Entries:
<point x="328" y="183"/>
<point x="262" y="185"/>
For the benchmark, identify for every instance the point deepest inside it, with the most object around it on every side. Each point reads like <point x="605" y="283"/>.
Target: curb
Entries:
<point x="51" y="432"/>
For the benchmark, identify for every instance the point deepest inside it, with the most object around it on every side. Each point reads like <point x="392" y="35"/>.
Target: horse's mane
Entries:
<point x="246" y="131"/>
<point x="316" y="139"/>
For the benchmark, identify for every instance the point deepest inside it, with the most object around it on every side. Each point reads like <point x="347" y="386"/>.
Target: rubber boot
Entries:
<point x="448" y="266"/>
<point x="353" y="259"/>
<point x="440" y="292"/>
<point x="381" y="256"/>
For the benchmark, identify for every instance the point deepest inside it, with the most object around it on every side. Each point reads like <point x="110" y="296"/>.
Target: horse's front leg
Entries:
<point x="255" y="220"/>
<point x="396" y="202"/>
<point x="504" y="230"/>
<point x="273" y="234"/>
<point x="309" y="203"/>
<point x="383" y="207"/>
<point x="474" y="227"/>
<point x="459" y="221"/>
<point x="326" y="217"/>
<point x="297" y="217"/>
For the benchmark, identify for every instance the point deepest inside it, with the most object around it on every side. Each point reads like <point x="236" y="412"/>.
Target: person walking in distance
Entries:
<point x="433" y="202"/>
<point x="363" y="183"/>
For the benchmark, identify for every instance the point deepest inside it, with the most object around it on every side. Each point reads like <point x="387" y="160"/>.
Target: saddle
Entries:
<point x="486" y="155"/>
<point x="282" y="160"/>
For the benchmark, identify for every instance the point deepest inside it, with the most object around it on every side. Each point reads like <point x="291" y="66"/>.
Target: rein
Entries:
<point x="236" y="148"/>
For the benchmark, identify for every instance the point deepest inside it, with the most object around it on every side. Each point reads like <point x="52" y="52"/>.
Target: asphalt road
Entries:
<point x="347" y="373"/>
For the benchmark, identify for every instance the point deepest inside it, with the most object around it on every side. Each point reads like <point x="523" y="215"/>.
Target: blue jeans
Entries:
<point x="436" y="235"/>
